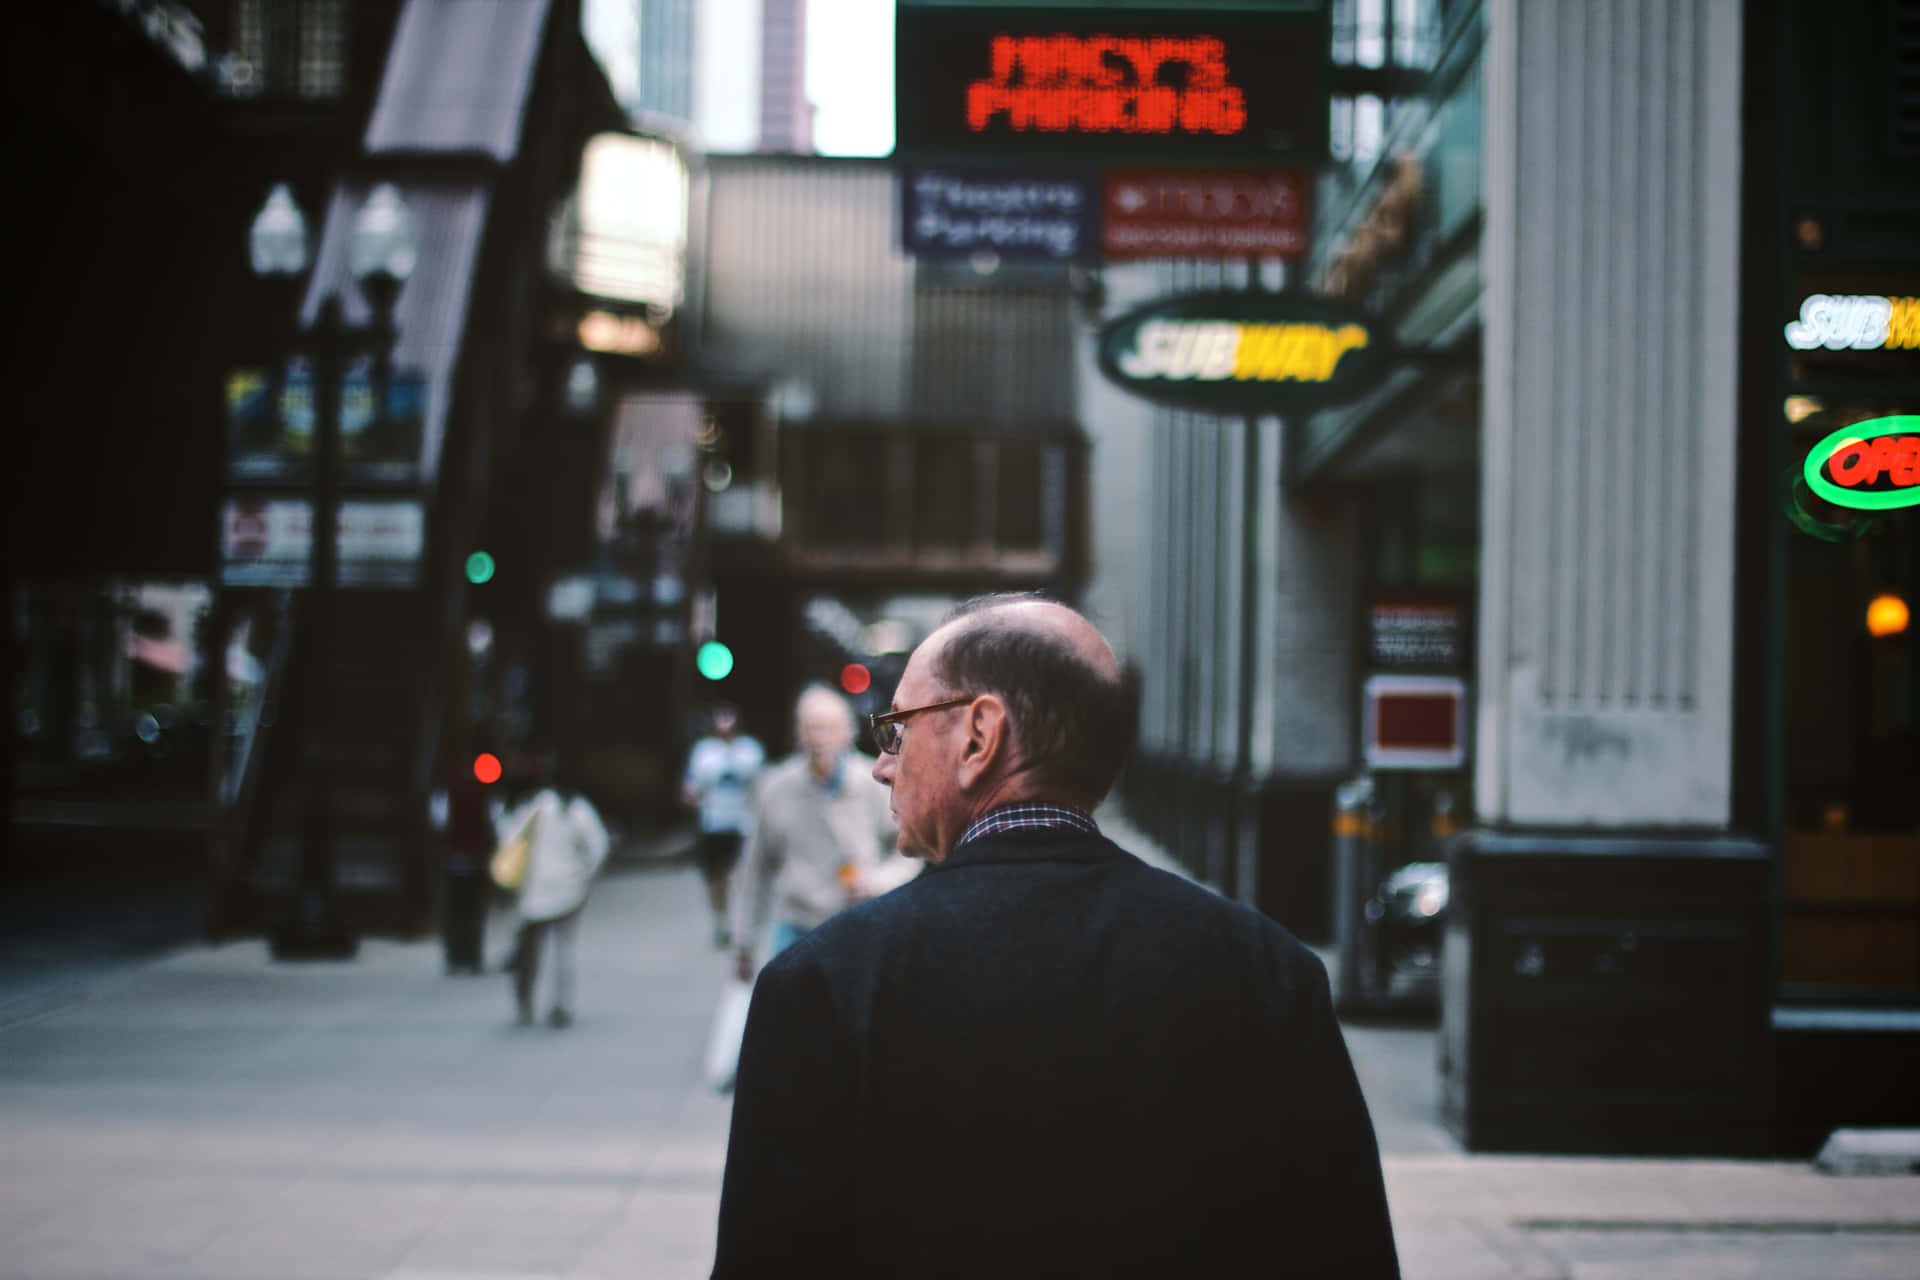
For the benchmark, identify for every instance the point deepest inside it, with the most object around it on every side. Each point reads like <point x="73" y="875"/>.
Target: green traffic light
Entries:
<point x="715" y="660"/>
<point x="479" y="568"/>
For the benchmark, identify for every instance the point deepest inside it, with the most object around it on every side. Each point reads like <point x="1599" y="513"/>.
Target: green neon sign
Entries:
<point x="1856" y="456"/>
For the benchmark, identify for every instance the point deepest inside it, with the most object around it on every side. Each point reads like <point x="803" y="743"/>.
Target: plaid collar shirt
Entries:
<point x="1027" y="816"/>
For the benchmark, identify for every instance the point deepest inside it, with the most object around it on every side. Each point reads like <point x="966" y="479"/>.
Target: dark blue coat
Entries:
<point x="1043" y="1057"/>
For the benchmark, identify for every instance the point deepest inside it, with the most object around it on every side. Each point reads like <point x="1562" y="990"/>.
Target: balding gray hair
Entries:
<point x="1074" y="724"/>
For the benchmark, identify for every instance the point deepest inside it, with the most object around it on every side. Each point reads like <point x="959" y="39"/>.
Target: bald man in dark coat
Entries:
<point x="1041" y="1057"/>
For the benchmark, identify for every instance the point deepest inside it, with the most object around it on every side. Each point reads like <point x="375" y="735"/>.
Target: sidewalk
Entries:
<point x="1460" y="1216"/>
<point x="213" y="1114"/>
<point x="216" y="1115"/>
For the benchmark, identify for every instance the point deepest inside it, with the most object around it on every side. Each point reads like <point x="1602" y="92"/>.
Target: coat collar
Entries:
<point x="1050" y="844"/>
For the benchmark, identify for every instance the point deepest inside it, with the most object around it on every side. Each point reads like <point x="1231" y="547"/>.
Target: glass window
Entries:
<point x="1851" y="843"/>
<point x="1020" y="526"/>
<point x="287" y="48"/>
<point x="943" y="492"/>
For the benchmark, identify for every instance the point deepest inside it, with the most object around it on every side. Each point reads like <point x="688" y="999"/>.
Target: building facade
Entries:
<point x="1588" y="229"/>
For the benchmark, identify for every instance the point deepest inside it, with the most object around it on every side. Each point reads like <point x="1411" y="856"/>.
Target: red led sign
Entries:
<point x="1100" y="84"/>
<point x="1187" y="85"/>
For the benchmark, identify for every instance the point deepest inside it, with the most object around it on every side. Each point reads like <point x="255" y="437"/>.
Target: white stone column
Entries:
<point x="1610" y="315"/>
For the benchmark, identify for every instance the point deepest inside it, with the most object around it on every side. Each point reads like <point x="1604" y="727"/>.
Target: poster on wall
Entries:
<point x="270" y="422"/>
<point x="273" y="416"/>
<point x="381" y="427"/>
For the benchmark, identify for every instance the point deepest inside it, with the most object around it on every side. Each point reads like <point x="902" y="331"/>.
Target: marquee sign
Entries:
<point x="1869" y="466"/>
<point x="1244" y="352"/>
<point x="1190" y="85"/>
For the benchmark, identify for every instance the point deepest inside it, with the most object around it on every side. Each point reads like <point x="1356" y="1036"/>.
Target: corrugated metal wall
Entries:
<point x="805" y="280"/>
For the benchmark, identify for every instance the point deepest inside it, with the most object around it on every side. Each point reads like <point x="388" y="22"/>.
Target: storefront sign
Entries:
<point x="1416" y="633"/>
<point x="1869" y="466"/>
<point x="1415" y="722"/>
<point x="268" y="542"/>
<point x="1243" y="352"/>
<point x="1192" y="84"/>
<point x="379" y="543"/>
<point x="958" y="212"/>
<point x="1167" y="213"/>
<point x="265" y="542"/>
<point x="1856" y="322"/>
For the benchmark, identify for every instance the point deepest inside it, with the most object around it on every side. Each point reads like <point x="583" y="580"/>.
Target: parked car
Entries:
<point x="1404" y="918"/>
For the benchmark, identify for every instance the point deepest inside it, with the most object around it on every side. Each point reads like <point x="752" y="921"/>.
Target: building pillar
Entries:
<point x="1611" y="250"/>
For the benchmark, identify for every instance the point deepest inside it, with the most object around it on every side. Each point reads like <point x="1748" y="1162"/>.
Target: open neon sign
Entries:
<point x="1107" y="84"/>
<point x="1869" y="466"/>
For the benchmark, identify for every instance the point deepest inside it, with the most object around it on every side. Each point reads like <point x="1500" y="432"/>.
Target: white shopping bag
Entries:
<point x="723" y="1045"/>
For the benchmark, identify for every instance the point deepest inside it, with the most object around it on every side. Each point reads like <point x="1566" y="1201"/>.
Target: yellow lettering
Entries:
<point x="1903" y="326"/>
<point x="1281" y="353"/>
<point x="1291" y="352"/>
<point x="1255" y="341"/>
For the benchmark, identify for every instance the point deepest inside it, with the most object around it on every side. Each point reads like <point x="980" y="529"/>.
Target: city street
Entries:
<point x="209" y="1113"/>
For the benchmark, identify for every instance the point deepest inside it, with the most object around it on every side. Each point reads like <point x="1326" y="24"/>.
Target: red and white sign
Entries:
<point x="264" y="542"/>
<point x="268" y="542"/>
<point x="1177" y="213"/>
<point x="1415" y="722"/>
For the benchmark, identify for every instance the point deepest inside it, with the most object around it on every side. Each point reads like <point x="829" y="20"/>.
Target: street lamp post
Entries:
<point x="381" y="255"/>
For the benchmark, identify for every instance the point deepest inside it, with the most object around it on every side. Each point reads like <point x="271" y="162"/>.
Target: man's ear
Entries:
<point x="987" y="743"/>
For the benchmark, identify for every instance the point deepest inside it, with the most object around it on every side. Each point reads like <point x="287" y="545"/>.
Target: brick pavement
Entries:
<point x="212" y="1114"/>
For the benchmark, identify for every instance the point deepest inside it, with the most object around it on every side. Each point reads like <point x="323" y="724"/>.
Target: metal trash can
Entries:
<point x="1606" y="995"/>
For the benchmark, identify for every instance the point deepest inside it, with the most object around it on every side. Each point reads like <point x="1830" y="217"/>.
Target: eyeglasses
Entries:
<point x="889" y="725"/>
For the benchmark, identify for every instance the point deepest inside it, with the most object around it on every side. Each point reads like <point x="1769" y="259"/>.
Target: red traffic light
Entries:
<point x="855" y="678"/>
<point x="486" y="767"/>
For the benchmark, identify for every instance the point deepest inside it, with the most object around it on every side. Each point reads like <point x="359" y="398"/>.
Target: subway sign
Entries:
<point x="1247" y="353"/>
<point x="1869" y="466"/>
<point x="1855" y="322"/>
<point x="1189" y="85"/>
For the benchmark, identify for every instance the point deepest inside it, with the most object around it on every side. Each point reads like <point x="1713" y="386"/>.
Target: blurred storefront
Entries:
<point x="452" y="135"/>
<point x="1629" y="257"/>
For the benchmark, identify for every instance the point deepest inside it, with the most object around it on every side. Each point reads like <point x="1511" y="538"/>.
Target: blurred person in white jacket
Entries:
<point x="822" y="835"/>
<point x="568" y="844"/>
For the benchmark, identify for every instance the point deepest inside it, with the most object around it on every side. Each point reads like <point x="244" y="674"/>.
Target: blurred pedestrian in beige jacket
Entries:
<point x="822" y="836"/>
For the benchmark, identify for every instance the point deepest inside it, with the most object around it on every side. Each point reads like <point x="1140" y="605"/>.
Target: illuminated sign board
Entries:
<point x="955" y="213"/>
<point x="1869" y="466"/>
<point x="1175" y="213"/>
<point x="1855" y="322"/>
<point x="1243" y="352"/>
<point x="1186" y="85"/>
<point x="1851" y="327"/>
<point x="268" y="542"/>
<point x="622" y="233"/>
